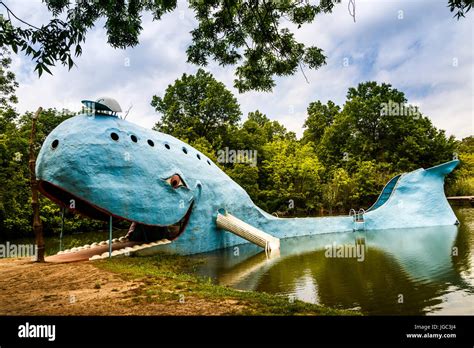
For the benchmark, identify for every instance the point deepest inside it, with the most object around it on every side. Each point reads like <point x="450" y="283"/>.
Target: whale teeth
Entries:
<point x="86" y="246"/>
<point x="124" y="251"/>
<point x="123" y="239"/>
<point x="94" y="244"/>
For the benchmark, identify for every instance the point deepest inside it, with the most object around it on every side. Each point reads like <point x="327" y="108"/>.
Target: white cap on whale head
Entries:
<point x="103" y="104"/>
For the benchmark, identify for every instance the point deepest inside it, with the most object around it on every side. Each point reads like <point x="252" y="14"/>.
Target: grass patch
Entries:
<point x="171" y="278"/>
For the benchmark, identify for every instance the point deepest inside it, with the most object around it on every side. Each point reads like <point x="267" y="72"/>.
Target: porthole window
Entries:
<point x="198" y="156"/>
<point x="167" y="146"/>
<point x="134" y="138"/>
<point x="114" y="136"/>
<point x="185" y="150"/>
<point x="55" y="143"/>
<point x="208" y="162"/>
<point x="150" y="142"/>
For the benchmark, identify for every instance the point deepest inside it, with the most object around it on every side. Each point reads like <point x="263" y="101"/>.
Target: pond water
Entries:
<point x="403" y="271"/>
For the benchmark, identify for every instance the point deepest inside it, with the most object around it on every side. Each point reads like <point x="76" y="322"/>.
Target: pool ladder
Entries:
<point x="358" y="222"/>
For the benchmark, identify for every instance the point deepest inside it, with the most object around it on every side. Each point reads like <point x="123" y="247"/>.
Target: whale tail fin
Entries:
<point x="443" y="169"/>
<point x="414" y="199"/>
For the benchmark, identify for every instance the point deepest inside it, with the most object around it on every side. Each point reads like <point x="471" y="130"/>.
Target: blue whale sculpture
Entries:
<point x="102" y="165"/>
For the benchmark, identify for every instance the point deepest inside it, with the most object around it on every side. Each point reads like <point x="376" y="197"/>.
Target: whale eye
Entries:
<point x="175" y="181"/>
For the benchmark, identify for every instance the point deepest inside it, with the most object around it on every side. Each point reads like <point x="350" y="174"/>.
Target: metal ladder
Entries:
<point x="358" y="222"/>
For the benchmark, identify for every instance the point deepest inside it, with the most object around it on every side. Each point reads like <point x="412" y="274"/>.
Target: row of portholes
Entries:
<point x="115" y="137"/>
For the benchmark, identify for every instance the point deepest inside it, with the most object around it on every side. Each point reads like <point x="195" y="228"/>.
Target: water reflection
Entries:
<point x="412" y="271"/>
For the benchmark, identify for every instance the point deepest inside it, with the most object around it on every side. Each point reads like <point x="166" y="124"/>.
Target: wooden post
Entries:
<point x="62" y="230"/>
<point x="37" y="225"/>
<point x="110" y="236"/>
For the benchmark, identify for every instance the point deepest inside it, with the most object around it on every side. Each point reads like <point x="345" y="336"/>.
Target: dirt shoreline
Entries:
<point x="80" y="288"/>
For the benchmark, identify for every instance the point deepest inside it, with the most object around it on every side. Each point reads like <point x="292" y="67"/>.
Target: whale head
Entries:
<point x="101" y="166"/>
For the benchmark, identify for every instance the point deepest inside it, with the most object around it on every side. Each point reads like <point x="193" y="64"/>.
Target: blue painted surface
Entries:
<point x="127" y="179"/>
<point x="386" y="193"/>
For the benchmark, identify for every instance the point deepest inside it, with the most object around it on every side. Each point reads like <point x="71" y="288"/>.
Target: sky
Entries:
<point x="415" y="45"/>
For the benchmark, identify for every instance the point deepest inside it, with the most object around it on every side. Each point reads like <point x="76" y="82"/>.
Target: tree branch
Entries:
<point x="14" y="15"/>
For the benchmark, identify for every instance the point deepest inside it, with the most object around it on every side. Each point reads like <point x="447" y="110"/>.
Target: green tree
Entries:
<point x="294" y="172"/>
<point x="197" y="106"/>
<point x="8" y="83"/>
<point x="377" y="124"/>
<point x="247" y="177"/>
<point x="320" y="116"/>
<point x="368" y="180"/>
<point x="461" y="183"/>
<point x="255" y="132"/>
<point x="15" y="193"/>
<point x="337" y="191"/>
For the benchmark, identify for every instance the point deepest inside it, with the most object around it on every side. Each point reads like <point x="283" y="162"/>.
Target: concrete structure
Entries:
<point x="101" y="165"/>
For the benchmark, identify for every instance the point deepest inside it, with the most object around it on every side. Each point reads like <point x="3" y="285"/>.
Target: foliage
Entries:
<point x="294" y="173"/>
<point x="230" y="31"/>
<point x="462" y="182"/>
<point x="197" y="106"/>
<point x="8" y="83"/>
<point x="460" y="7"/>
<point x="363" y="132"/>
<point x="338" y="190"/>
<point x="247" y="177"/>
<point x="15" y="193"/>
<point x="320" y="117"/>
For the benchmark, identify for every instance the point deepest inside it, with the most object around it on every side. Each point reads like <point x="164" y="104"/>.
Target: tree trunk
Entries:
<point x="37" y="225"/>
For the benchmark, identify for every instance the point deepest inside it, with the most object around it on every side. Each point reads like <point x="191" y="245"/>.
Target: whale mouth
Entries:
<point x="144" y="236"/>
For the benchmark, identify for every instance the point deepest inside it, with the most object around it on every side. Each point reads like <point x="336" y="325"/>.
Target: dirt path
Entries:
<point x="80" y="288"/>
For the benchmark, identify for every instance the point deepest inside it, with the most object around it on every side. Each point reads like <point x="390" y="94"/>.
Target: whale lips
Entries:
<point x="71" y="202"/>
<point x="141" y="232"/>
